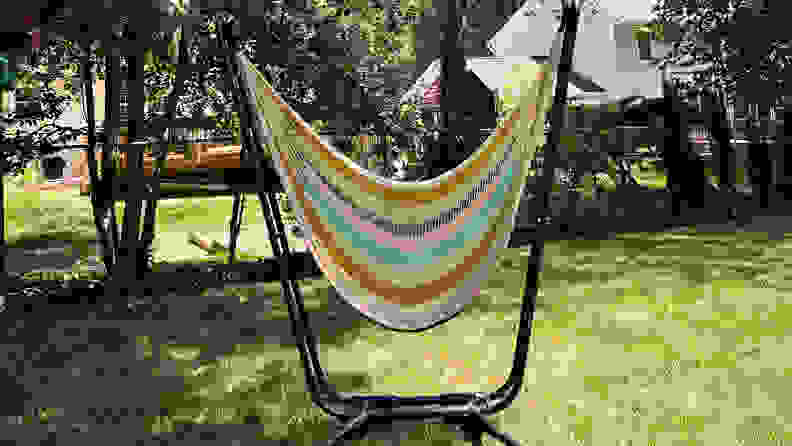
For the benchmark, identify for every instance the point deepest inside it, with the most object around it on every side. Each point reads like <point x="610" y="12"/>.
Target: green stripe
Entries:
<point x="366" y="242"/>
<point x="6" y="76"/>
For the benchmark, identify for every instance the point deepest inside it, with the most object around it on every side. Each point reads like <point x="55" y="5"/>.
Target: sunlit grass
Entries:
<point x="641" y="339"/>
<point x="645" y="338"/>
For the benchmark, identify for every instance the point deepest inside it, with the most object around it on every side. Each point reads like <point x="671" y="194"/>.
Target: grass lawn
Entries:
<point x="66" y="216"/>
<point x="673" y="338"/>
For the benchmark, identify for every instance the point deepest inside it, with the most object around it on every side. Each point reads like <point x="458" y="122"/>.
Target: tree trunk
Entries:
<point x="671" y="152"/>
<point x="3" y="164"/>
<point x="452" y="66"/>
<point x="721" y="132"/>
<point x="760" y="163"/>
<point x="685" y="170"/>
<point x="760" y="172"/>
<point x="759" y="159"/>
<point x="784" y="139"/>
<point x="3" y="246"/>
<point x="147" y="236"/>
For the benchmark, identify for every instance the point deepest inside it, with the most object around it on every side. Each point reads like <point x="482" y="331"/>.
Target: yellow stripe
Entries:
<point x="403" y="198"/>
<point x="424" y="293"/>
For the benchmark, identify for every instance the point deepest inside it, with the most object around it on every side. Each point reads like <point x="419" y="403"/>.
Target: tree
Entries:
<point x="34" y="132"/>
<point x="749" y="51"/>
<point x="309" y="59"/>
<point x="296" y="82"/>
<point x="294" y="33"/>
<point x="369" y="70"/>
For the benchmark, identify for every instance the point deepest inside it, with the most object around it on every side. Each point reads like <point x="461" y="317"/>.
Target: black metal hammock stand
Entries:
<point x="357" y="413"/>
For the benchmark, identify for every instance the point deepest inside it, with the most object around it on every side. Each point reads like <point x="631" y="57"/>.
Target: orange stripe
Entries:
<point x="402" y="296"/>
<point x="401" y="197"/>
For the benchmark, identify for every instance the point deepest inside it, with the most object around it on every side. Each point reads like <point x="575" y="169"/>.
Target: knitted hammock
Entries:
<point x="407" y="255"/>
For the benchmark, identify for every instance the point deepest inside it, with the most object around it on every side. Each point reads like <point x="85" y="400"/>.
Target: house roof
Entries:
<point x="491" y="72"/>
<point x="605" y="51"/>
<point x="483" y="20"/>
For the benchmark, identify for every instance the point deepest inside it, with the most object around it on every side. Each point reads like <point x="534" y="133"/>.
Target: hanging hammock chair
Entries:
<point x="407" y="255"/>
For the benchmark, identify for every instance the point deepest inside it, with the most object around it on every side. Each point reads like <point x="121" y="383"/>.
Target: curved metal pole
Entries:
<point x="316" y="377"/>
<point x="452" y="408"/>
<point x="504" y="396"/>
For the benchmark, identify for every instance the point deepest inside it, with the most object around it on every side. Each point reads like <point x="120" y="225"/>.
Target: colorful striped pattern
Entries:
<point x="7" y="73"/>
<point x="408" y="255"/>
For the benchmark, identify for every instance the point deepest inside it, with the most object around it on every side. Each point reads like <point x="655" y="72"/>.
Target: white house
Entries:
<point x="609" y="64"/>
<point x="605" y="50"/>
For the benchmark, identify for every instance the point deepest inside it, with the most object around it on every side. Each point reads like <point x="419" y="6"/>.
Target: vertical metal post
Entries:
<point x="509" y="390"/>
<point x="569" y="22"/>
<point x="531" y="289"/>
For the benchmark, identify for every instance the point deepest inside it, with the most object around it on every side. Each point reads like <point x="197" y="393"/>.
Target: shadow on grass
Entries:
<point x="270" y="388"/>
<point x="263" y="383"/>
<point x="254" y="382"/>
<point x="274" y="396"/>
<point x="50" y="239"/>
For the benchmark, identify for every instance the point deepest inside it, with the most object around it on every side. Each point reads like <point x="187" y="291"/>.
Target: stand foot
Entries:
<point x="474" y="426"/>
<point x="353" y="430"/>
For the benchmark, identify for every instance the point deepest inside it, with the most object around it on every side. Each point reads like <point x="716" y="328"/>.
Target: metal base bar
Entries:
<point x="358" y="412"/>
<point x="472" y="427"/>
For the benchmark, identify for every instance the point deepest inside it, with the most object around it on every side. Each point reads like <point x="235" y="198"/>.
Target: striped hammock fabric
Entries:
<point x="407" y="255"/>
